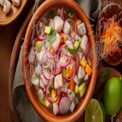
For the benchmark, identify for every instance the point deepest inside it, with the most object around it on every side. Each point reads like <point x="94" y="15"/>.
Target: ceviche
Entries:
<point x="60" y="66"/>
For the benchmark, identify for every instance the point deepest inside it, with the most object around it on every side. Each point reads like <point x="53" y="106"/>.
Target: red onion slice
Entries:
<point x="67" y="63"/>
<point x="77" y="63"/>
<point x="47" y="74"/>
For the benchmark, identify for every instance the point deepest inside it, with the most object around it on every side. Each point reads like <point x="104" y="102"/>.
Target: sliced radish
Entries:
<point x="64" y="105"/>
<point x="55" y="108"/>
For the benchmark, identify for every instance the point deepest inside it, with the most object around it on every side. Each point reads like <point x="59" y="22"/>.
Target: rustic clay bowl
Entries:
<point x="42" y="111"/>
<point x="107" y="12"/>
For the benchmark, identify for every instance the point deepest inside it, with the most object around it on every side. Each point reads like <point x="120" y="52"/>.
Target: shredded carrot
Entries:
<point x="111" y="36"/>
<point x="72" y="85"/>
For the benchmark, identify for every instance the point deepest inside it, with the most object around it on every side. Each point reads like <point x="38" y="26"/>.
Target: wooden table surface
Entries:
<point x="7" y="37"/>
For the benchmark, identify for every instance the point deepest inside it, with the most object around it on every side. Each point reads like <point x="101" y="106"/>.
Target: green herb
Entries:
<point x="78" y="96"/>
<point x="104" y="75"/>
<point x="51" y="13"/>
<point x="70" y="13"/>
<point x="75" y="49"/>
<point x="67" y="113"/>
<point x="52" y="36"/>
<point x="52" y="83"/>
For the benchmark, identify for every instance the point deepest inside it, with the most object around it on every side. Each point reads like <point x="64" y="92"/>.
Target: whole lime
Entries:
<point x="112" y="95"/>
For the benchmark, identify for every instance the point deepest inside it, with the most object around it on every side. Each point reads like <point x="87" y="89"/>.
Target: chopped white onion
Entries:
<point x="58" y="81"/>
<point x="81" y="29"/>
<point x="35" y="80"/>
<point x="39" y="56"/>
<point x="83" y="44"/>
<point x="56" y="43"/>
<point x="81" y="73"/>
<point x="69" y="44"/>
<point x="67" y="27"/>
<point x="55" y="108"/>
<point x="58" y="22"/>
<point x="71" y="95"/>
<point x="38" y="70"/>
<point x="72" y="106"/>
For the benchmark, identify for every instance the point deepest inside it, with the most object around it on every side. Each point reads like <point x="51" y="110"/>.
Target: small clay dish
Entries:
<point x="109" y="11"/>
<point x="13" y="13"/>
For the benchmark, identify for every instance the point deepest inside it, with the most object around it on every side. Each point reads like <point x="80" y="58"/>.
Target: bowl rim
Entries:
<point x="39" y="108"/>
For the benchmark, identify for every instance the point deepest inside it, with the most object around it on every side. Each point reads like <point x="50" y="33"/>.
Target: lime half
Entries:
<point x="95" y="112"/>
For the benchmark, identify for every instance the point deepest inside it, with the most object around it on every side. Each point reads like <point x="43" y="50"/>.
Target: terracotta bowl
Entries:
<point x="107" y="12"/>
<point x="42" y="111"/>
